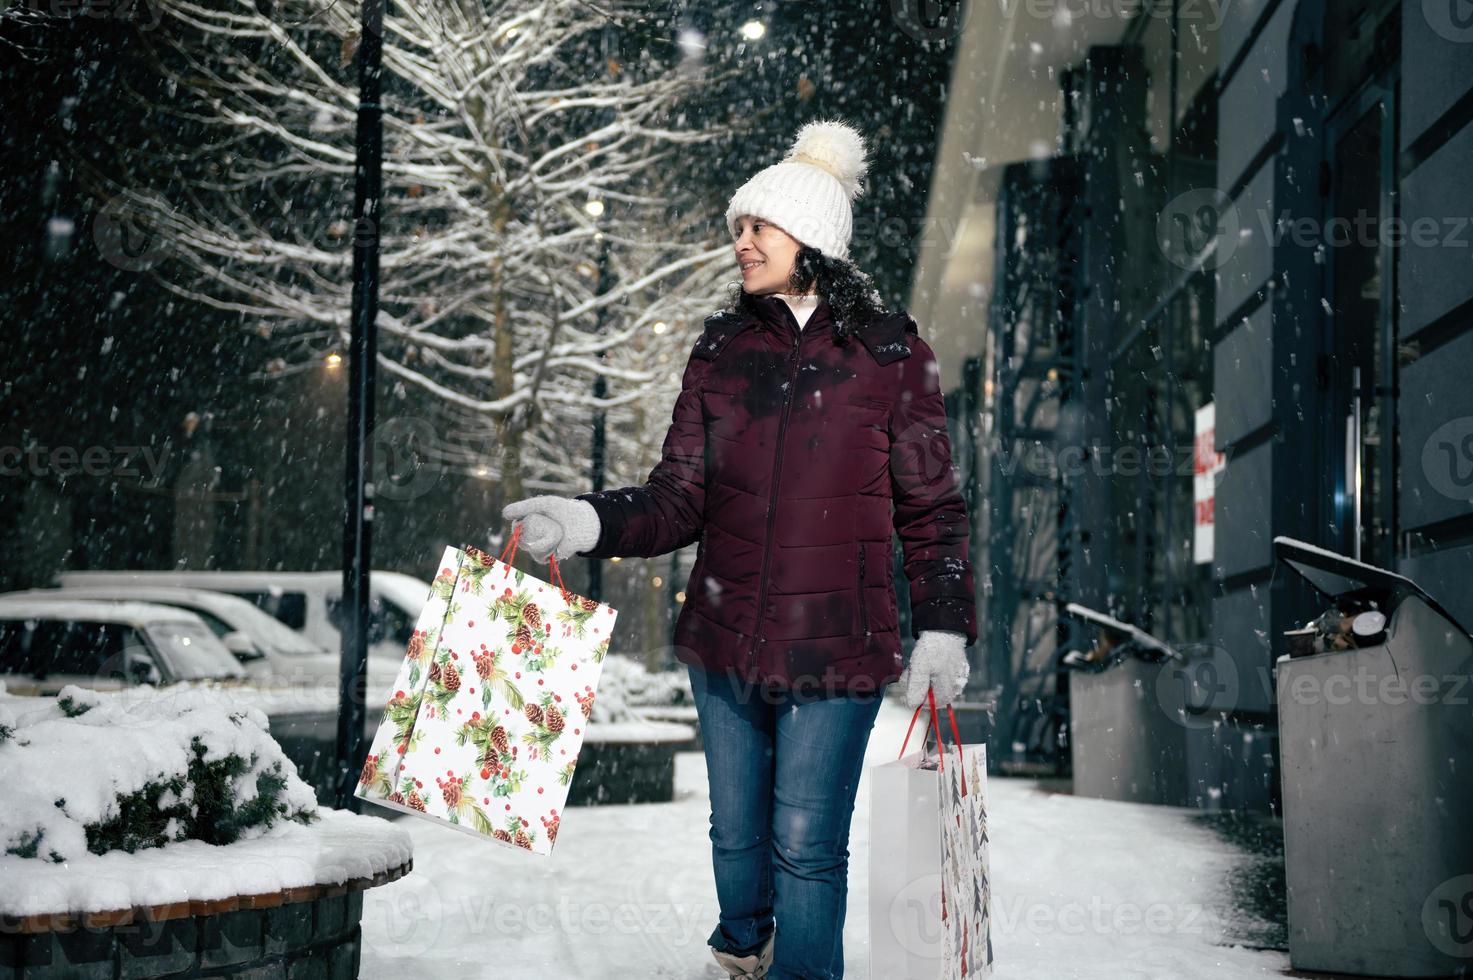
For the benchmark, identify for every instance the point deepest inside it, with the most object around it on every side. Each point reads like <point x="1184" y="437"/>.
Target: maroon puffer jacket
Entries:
<point x="785" y="455"/>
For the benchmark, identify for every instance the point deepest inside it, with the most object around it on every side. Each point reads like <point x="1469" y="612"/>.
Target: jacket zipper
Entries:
<point x="863" y="613"/>
<point x="777" y="465"/>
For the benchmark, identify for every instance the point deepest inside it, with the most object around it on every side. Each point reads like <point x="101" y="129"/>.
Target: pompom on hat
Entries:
<point x="808" y="193"/>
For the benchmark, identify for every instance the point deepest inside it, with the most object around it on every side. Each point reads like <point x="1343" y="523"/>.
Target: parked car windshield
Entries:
<point x="279" y="637"/>
<point x="193" y="652"/>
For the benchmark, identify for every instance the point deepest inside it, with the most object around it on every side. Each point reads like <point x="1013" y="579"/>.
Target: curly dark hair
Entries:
<point x="851" y="293"/>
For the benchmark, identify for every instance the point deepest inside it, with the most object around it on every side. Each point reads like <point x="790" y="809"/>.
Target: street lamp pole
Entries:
<point x="363" y="344"/>
<point x="600" y="392"/>
<point x="600" y="383"/>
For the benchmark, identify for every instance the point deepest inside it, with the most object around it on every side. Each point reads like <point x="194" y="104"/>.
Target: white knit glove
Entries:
<point x="555" y="525"/>
<point x="939" y="660"/>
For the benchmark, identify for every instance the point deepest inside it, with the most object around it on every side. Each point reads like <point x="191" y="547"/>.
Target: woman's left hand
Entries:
<point x="938" y="661"/>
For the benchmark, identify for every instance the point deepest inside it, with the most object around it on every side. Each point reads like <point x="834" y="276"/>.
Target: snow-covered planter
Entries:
<point x="662" y="697"/>
<point x="89" y="772"/>
<point x="627" y="757"/>
<point x="162" y="832"/>
<point x="631" y="683"/>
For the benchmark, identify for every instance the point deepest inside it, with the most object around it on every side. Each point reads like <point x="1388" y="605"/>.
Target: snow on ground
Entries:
<point x="1083" y="889"/>
<point x="338" y="847"/>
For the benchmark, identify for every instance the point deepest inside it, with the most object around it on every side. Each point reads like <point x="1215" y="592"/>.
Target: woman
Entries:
<point x="807" y="411"/>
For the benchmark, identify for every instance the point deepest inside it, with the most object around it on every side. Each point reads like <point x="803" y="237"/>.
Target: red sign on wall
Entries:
<point x="1207" y="463"/>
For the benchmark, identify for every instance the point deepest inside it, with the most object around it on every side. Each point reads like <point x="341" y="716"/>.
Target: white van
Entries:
<point x="308" y="602"/>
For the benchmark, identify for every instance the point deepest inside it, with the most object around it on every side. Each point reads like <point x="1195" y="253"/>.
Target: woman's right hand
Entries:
<point x="554" y="525"/>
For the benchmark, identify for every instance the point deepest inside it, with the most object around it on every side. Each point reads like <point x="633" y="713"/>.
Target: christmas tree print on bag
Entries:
<point x="492" y="701"/>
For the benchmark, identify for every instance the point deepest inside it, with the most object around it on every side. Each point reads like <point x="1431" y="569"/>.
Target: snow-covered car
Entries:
<point x="47" y="644"/>
<point x="269" y="650"/>
<point x="308" y="602"/>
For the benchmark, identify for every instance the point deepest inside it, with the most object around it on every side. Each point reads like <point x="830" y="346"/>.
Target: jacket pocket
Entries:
<point x="859" y="400"/>
<point x="863" y="611"/>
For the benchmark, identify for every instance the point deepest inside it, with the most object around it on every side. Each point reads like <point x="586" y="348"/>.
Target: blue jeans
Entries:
<point x="783" y="773"/>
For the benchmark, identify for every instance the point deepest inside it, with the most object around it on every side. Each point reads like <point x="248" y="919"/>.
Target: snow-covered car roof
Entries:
<point x="198" y="580"/>
<point x="236" y="612"/>
<point x="403" y="590"/>
<point x="19" y="605"/>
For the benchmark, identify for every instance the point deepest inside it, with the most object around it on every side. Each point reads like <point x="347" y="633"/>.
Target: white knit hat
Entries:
<point x="807" y="195"/>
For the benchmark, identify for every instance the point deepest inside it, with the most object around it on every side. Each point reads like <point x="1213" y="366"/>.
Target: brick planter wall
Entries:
<point x="300" y="934"/>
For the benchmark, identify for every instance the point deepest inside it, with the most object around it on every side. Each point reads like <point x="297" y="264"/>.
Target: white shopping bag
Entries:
<point x="927" y="838"/>
<point x="492" y="701"/>
<point x="966" y="882"/>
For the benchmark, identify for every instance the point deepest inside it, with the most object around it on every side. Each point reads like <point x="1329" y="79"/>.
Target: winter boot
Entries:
<point x="753" y="966"/>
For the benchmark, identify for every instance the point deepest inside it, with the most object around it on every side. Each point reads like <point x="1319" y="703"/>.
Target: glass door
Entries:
<point x="1359" y="367"/>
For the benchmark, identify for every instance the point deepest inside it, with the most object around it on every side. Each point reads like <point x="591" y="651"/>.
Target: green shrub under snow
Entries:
<point x="98" y="772"/>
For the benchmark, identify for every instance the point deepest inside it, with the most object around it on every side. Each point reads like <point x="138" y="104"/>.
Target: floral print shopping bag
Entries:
<point x="492" y="701"/>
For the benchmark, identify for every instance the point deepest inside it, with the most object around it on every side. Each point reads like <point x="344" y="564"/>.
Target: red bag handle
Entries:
<point x="509" y="554"/>
<point x="935" y="720"/>
<point x="557" y="577"/>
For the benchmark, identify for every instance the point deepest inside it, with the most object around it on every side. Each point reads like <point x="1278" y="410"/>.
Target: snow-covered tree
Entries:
<point x="541" y="225"/>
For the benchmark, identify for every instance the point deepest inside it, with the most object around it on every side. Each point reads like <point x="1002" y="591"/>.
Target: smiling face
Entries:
<point x="765" y="254"/>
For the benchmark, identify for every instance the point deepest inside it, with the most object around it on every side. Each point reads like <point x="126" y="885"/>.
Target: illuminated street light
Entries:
<point x="334" y="359"/>
<point x="594" y="207"/>
<point x="753" y="30"/>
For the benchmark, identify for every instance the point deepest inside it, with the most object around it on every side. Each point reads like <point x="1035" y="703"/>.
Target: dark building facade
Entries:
<point x="1292" y="248"/>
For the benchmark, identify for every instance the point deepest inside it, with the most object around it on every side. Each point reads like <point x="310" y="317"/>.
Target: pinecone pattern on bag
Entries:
<point x="585" y="701"/>
<point x="515" y="647"/>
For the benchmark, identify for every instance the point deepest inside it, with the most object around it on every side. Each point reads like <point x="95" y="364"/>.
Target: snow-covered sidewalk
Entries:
<point x="1082" y="889"/>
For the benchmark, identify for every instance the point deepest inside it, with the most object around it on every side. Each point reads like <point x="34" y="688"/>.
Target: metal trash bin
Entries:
<point x="1376" y="756"/>
<point x="1124" y="744"/>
